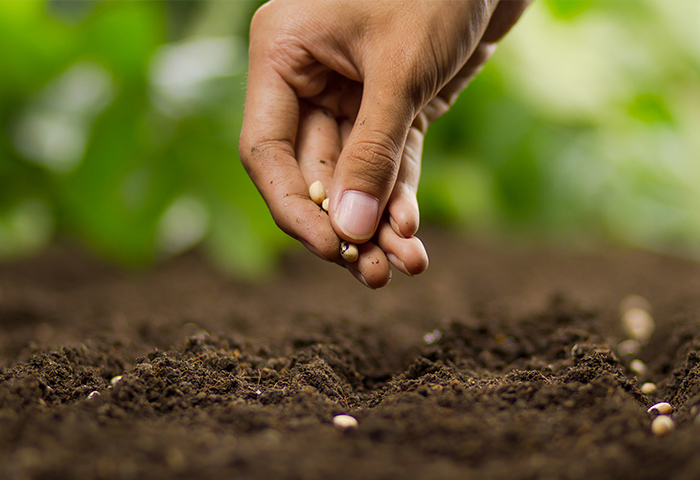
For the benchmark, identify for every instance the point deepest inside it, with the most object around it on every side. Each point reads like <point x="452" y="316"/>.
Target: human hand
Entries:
<point x="343" y="91"/>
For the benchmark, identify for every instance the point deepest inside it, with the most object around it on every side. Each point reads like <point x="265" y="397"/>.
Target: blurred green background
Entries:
<point x="120" y="122"/>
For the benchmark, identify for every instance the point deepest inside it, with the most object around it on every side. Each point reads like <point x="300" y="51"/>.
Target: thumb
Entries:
<point x="369" y="163"/>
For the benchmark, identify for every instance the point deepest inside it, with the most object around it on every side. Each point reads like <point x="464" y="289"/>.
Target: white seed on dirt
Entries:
<point x="317" y="192"/>
<point x="115" y="380"/>
<point x="93" y="394"/>
<point x="432" y="337"/>
<point x="345" y="422"/>
<point x="638" y="324"/>
<point x="663" y="408"/>
<point x="349" y="251"/>
<point x="628" y="347"/>
<point x="325" y="203"/>
<point x="662" y="425"/>
<point x="638" y="367"/>
<point x="648" y="388"/>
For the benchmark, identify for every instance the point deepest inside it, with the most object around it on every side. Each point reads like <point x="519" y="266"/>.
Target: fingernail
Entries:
<point x="357" y="214"/>
<point x="395" y="261"/>
<point x="395" y="227"/>
<point x="359" y="276"/>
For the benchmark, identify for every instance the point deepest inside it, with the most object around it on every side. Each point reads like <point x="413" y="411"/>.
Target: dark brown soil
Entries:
<point x="522" y="378"/>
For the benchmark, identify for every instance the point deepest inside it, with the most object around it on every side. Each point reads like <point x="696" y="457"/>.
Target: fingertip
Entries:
<point x="408" y="255"/>
<point x="373" y="282"/>
<point x="413" y="259"/>
<point x="404" y="215"/>
<point x="372" y="267"/>
<point x="406" y="226"/>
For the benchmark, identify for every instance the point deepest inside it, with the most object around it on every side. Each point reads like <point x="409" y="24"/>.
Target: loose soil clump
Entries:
<point x="494" y="364"/>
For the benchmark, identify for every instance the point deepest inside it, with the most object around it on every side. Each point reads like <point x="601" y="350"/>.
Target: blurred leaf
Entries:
<point x="124" y="35"/>
<point x="568" y="9"/>
<point x="650" y="108"/>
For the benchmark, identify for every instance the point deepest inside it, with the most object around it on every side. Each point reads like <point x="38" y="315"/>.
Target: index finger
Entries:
<point x="267" y="151"/>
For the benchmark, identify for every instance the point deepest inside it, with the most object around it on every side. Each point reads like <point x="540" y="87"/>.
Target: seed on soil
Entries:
<point x="638" y="324"/>
<point x="432" y="337"/>
<point x="93" y="394"/>
<point x="325" y="204"/>
<point x="628" y="347"/>
<point x="663" y="408"/>
<point x="115" y="380"/>
<point x="638" y="367"/>
<point x="648" y="388"/>
<point x="662" y="425"/>
<point x="345" y="422"/>
<point x="317" y="192"/>
<point x="349" y="251"/>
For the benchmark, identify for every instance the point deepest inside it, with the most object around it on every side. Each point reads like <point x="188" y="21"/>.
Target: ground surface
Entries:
<point x="522" y="378"/>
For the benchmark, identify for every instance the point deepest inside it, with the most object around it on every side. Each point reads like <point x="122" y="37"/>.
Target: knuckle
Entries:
<point x="376" y="159"/>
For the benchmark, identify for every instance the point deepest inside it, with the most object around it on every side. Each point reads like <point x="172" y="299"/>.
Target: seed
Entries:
<point x="345" y="422"/>
<point x="349" y="251"/>
<point x="325" y="204"/>
<point x="93" y="394"/>
<point x="663" y="408"/>
<point x="115" y="380"/>
<point x="638" y="324"/>
<point x="662" y="425"/>
<point x="638" y="367"/>
<point x="317" y="192"/>
<point x="432" y="337"/>
<point x="648" y="388"/>
<point x="629" y="347"/>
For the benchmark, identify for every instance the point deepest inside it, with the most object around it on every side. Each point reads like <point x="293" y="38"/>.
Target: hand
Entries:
<point x="343" y="91"/>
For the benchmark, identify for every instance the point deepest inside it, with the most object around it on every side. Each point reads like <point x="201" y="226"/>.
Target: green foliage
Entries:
<point x="583" y="125"/>
<point x="120" y="123"/>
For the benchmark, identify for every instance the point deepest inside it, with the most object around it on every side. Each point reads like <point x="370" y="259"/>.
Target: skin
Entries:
<point x="343" y="91"/>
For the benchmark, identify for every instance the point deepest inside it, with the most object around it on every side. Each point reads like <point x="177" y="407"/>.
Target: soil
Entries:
<point x="496" y="363"/>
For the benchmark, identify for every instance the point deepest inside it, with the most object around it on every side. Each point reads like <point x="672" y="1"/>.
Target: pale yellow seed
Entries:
<point x="317" y="192"/>
<point x="349" y="251"/>
<point x="648" y="388"/>
<point x="345" y="422"/>
<point x="662" y="425"/>
<point x="638" y="367"/>
<point x="325" y="204"/>
<point x="663" y="408"/>
<point x="629" y="347"/>
<point x="638" y="324"/>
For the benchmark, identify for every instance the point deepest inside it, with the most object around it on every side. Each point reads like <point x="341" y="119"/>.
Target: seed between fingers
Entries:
<point x="317" y="192"/>
<point x="349" y="251"/>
